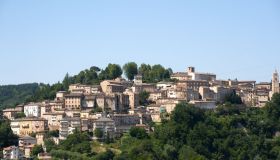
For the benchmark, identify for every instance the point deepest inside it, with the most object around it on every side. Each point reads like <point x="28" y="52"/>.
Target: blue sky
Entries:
<point x="40" y="41"/>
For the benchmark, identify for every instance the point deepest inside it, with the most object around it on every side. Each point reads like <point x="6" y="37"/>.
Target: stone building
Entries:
<point x="68" y="126"/>
<point x="53" y="119"/>
<point x="10" y="113"/>
<point x="190" y="74"/>
<point x="106" y="125"/>
<point x="74" y="101"/>
<point x="26" y="126"/>
<point x="275" y="83"/>
<point x="26" y="141"/>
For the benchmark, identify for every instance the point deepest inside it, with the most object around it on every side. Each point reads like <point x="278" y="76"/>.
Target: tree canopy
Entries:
<point x="130" y="70"/>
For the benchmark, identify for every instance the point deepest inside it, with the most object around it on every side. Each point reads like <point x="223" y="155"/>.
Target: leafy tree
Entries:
<point x="19" y="115"/>
<point x="11" y="95"/>
<point x="95" y="69"/>
<point x="143" y="97"/>
<point x="233" y="98"/>
<point x="54" y="133"/>
<point x="187" y="115"/>
<point x="66" y="81"/>
<point x="156" y="73"/>
<point x="7" y="138"/>
<point x="50" y="145"/>
<point x="96" y="110"/>
<point x="130" y="70"/>
<point x="77" y="142"/>
<point x="98" y="133"/>
<point x="170" y="152"/>
<point x="138" y="133"/>
<point x="113" y="71"/>
<point x="36" y="150"/>
<point x="188" y="153"/>
<point x="108" y="155"/>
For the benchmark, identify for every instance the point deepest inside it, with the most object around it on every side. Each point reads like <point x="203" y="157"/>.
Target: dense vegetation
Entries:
<point x="11" y="95"/>
<point x="7" y="138"/>
<point x="231" y="132"/>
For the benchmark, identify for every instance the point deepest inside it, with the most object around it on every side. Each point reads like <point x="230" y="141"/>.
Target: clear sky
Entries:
<point x="40" y="41"/>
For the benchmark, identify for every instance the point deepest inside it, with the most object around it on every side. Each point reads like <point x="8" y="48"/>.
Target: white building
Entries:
<point x="68" y="126"/>
<point x="32" y="110"/>
<point x="11" y="152"/>
<point x="192" y="75"/>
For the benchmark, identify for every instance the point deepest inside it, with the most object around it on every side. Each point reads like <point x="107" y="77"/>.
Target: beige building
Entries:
<point x="192" y="84"/>
<point x="84" y="89"/>
<point x="166" y="85"/>
<point x="133" y="98"/>
<point x="73" y="101"/>
<point x="177" y="93"/>
<point x="221" y="92"/>
<point x="26" y="126"/>
<point x="10" y="113"/>
<point x="148" y="87"/>
<point x="60" y="95"/>
<point x="53" y="120"/>
<point x="156" y="95"/>
<point x="261" y="98"/>
<point x="109" y="87"/>
<point x="181" y="76"/>
<point x="263" y="86"/>
<point x="206" y="93"/>
<point x="190" y="74"/>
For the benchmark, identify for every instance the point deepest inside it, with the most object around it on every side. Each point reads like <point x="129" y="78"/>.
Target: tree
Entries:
<point x="66" y="81"/>
<point x="98" y="133"/>
<point x="95" y="69"/>
<point x="113" y="71"/>
<point x="272" y="111"/>
<point x="130" y="70"/>
<point x="49" y="144"/>
<point x="77" y="142"/>
<point x="143" y="97"/>
<point x="19" y="115"/>
<point x="36" y="150"/>
<point x="233" y="98"/>
<point x="7" y="137"/>
<point x="187" y="115"/>
<point x="108" y="155"/>
<point x="96" y="110"/>
<point x="138" y="132"/>
<point x="188" y="153"/>
<point x="155" y="73"/>
<point x="54" y="133"/>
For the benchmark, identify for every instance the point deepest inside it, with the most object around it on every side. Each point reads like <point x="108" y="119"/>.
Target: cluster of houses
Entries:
<point x="80" y="106"/>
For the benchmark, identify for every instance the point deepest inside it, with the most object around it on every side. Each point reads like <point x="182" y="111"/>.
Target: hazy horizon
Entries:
<point x="43" y="40"/>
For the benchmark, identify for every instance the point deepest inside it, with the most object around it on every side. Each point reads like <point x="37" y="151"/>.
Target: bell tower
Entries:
<point x="275" y="82"/>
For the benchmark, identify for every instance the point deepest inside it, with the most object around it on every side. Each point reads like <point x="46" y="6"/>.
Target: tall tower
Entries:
<point x="275" y="82"/>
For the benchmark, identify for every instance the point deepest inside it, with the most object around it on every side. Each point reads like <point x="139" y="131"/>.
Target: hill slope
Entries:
<point x="11" y="95"/>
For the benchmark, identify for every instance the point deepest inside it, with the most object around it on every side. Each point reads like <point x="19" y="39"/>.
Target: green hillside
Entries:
<point x="11" y="95"/>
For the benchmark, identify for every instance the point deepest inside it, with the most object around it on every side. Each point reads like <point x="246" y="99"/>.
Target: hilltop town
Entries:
<point x="115" y="106"/>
